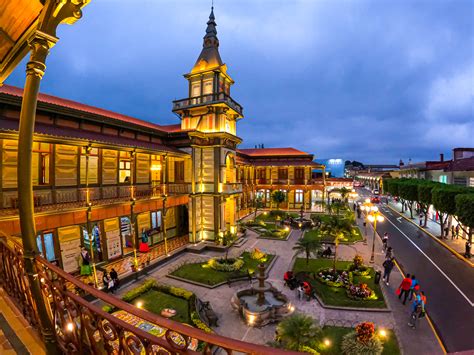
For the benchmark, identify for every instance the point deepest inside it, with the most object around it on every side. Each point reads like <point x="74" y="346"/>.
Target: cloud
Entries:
<point x="451" y="98"/>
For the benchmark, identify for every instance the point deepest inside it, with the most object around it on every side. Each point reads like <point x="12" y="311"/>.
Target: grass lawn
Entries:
<point x="335" y="334"/>
<point x="155" y="301"/>
<point x="200" y="272"/>
<point x="336" y="296"/>
<point x="270" y="229"/>
<point x="355" y="236"/>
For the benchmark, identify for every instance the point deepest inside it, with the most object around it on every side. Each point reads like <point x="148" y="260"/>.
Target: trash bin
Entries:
<point x="377" y="276"/>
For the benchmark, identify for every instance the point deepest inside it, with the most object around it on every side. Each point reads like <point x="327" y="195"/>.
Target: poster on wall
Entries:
<point x="112" y="234"/>
<point x="70" y="244"/>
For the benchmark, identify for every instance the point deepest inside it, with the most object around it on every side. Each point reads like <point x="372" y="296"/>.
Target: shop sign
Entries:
<point x="70" y="244"/>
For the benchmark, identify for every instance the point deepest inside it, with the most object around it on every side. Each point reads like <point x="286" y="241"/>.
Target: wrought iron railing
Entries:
<point x="207" y="99"/>
<point x="81" y="327"/>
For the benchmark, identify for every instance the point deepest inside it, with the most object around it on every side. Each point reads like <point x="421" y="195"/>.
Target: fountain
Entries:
<point x="261" y="303"/>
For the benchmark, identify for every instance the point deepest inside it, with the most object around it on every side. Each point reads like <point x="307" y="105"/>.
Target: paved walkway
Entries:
<point x="457" y="245"/>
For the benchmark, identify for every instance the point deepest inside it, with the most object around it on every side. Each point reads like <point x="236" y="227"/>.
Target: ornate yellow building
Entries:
<point x="114" y="182"/>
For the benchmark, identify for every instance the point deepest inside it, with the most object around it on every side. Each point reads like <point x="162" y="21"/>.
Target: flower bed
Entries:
<point x="360" y="292"/>
<point x="333" y="278"/>
<point x="226" y="265"/>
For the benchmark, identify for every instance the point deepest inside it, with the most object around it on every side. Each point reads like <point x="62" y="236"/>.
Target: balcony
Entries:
<point x="47" y="199"/>
<point x="208" y="99"/>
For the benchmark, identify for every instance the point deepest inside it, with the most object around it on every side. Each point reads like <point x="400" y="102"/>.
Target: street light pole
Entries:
<point x="374" y="216"/>
<point x="372" y="254"/>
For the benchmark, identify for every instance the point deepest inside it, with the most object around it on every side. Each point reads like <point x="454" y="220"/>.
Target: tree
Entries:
<point x="278" y="197"/>
<point x="336" y="227"/>
<point x="408" y="190"/>
<point x="444" y="201"/>
<point x="258" y="203"/>
<point x="226" y="240"/>
<point x="344" y="193"/>
<point x="296" y="331"/>
<point x="425" y="199"/>
<point x="465" y="213"/>
<point x="308" y="245"/>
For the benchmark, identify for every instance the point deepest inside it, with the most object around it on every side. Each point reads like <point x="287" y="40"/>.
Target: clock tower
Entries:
<point x="210" y="115"/>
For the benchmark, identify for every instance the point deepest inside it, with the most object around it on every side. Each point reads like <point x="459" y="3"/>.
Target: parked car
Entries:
<point x="376" y="192"/>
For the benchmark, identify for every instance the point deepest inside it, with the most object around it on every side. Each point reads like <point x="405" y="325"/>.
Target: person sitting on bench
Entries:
<point x="327" y="253"/>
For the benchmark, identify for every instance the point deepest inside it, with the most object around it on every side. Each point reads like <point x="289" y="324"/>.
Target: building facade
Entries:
<point x="120" y="186"/>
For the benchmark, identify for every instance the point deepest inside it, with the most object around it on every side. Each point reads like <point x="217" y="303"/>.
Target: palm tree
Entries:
<point x="307" y="245"/>
<point x="296" y="331"/>
<point x="336" y="227"/>
<point x="278" y="197"/>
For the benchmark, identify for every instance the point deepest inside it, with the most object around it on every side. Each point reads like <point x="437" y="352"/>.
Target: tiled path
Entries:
<point x="421" y="341"/>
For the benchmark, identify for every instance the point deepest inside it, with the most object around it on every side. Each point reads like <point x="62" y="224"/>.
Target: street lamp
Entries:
<point x="366" y="208"/>
<point x="374" y="216"/>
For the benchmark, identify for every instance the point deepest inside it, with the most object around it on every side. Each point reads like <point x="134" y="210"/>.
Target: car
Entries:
<point x="376" y="192"/>
<point x="375" y="199"/>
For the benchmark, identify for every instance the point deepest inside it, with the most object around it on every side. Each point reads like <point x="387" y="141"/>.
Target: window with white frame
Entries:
<point x="299" y="195"/>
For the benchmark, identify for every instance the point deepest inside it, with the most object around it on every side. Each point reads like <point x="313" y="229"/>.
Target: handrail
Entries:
<point x="78" y="322"/>
<point x="207" y="98"/>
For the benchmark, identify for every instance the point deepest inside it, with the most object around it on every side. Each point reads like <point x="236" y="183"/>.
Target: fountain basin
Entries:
<point x="275" y="307"/>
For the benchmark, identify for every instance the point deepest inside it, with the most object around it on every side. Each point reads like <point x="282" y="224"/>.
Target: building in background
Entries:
<point x="334" y="166"/>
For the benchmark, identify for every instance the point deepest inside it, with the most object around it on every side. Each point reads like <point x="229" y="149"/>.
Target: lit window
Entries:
<point x="299" y="195"/>
<point x="93" y="167"/>
<point x="41" y="163"/>
<point x="125" y="167"/>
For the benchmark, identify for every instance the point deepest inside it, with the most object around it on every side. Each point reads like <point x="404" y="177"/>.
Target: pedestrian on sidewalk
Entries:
<point x="389" y="253"/>
<point x="457" y="231"/>
<point x="417" y="311"/>
<point x="358" y="211"/>
<point x="453" y="232"/>
<point x="421" y="219"/>
<point x="115" y="278"/>
<point x="354" y="206"/>
<point x="404" y="288"/>
<point x="388" y="265"/>
<point x="468" y="249"/>
<point x="415" y="286"/>
<point x="384" y="242"/>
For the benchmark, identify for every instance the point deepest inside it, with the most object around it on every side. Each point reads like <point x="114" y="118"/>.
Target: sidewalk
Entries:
<point x="433" y="229"/>
<point x="423" y="339"/>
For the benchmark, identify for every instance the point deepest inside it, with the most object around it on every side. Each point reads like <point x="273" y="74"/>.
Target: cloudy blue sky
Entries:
<point x="374" y="81"/>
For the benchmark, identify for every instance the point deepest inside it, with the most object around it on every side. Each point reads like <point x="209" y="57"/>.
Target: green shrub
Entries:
<point x="309" y="350"/>
<point x="199" y="323"/>
<point x="228" y="265"/>
<point x="351" y="346"/>
<point x="137" y="291"/>
<point x="181" y="292"/>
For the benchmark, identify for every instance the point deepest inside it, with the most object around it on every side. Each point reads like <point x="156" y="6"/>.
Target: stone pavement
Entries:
<point x="433" y="228"/>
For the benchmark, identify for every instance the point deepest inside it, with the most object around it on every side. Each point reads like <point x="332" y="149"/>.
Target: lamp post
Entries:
<point x="374" y="216"/>
<point x="366" y="208"/>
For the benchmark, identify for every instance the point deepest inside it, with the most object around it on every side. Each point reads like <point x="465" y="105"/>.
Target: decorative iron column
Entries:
<point x="35" y="68"/>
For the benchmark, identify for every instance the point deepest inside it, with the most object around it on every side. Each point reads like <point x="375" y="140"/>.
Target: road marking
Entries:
<point x="434" y="264"/>
<point x="399" y="219"/>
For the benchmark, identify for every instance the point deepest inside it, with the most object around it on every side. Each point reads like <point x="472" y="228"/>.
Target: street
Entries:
<point x="446" y="280"/>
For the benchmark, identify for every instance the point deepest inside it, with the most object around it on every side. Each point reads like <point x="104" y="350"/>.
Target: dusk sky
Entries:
<point x="374" y="81"/>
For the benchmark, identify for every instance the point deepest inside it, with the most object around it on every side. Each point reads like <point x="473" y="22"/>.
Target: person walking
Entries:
<point x="358" y="211"/>
<point x="467" y="254"/>
<point x="421" y="219"/>
<point x="85" y="260"/>
<point x="453" y="232"/>
<point x="115" y="279"/>
<point x="417" y="311"/>
<point x="108" y="283"/>
<point x="389" y="253"/>
<point x="404" y="288"/>
<point x="415" y="286"/>
<point x="384" y="241"/>
<point x="457" y="231"/>
<point x="388" y="265"/>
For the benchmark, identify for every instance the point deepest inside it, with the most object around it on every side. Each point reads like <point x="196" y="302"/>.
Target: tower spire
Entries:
<point x="209" y="57"/>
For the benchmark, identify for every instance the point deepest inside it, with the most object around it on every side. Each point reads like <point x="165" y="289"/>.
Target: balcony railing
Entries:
<point x="81" y="327"/>
<point x="207" y="99"/>
<point x="49" y="199"/>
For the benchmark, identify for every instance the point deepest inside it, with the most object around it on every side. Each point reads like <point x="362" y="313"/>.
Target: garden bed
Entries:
<point x="203" y="274"/>
<point x="270" y="230"/>
<point x="335" y="335"/>
<point x="354" y="237"/>
<point x="337" y="296"/>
